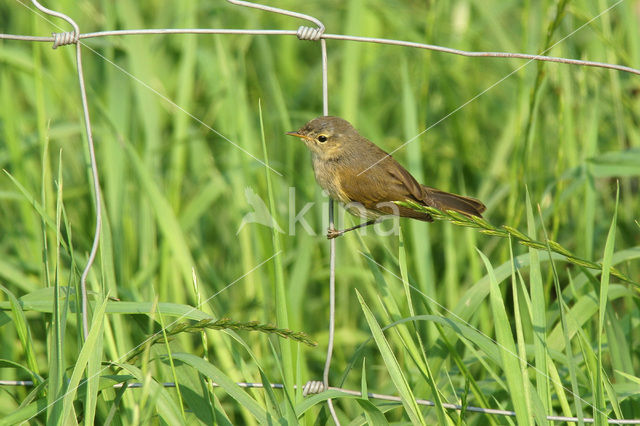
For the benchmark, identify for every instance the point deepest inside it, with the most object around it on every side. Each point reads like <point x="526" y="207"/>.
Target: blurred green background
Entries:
<point x="176" y="122"/>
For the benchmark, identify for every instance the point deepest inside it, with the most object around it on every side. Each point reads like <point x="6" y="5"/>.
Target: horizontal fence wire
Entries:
<point x="343" y="37"/>
<point x="303" y="33"/>
<point x="319" y="387"/>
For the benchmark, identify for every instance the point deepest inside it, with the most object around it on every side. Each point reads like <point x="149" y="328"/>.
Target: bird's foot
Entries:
<point x="333" y="233"/>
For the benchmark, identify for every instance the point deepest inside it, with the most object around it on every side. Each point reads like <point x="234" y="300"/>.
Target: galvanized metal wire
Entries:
<point x="308" y="33"/>
<point x="316" y="387"/>
<point x="63" y="39"/>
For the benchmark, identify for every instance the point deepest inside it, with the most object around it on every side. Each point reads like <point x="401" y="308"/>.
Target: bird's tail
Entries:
<point x="447" y="201"/>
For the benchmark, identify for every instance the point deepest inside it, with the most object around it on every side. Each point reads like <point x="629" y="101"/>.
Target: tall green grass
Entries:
<point x="442" y="312"/>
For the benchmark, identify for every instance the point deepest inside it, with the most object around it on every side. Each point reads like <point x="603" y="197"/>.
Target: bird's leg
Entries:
<point x="333" y="233"/>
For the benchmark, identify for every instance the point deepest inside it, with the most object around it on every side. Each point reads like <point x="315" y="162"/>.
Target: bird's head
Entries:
<point x="327" y="136"/>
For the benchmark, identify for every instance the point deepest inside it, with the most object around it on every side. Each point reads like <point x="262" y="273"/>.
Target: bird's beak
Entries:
<point x="298" y="135"/>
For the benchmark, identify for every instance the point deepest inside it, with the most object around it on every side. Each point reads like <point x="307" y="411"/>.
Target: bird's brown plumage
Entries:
<point x="356" y="172"/>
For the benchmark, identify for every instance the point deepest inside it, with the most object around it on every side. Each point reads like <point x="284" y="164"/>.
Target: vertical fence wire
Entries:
<point x="73" y="38"/>
<point x="332" y="250"/>
<point x="306" y="33"/>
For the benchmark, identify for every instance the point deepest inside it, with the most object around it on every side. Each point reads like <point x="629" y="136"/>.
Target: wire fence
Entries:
<point x="315" y="34"/>
<point x="318" y="387"/>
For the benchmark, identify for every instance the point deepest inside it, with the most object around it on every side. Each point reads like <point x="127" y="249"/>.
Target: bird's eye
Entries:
<point x="322" y="138"/>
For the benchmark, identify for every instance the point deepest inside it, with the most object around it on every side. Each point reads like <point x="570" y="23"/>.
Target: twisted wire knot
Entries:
<point x="308" y="33"/>
<point x="63" y="39"/>
<point x="313" y="387"/>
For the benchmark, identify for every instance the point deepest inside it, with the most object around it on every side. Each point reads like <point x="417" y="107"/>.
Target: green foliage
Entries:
<point x="506" y="231"/>
<point x="539" y="316"/>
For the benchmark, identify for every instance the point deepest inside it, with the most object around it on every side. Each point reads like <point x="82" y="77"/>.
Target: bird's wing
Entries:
<point x="447" y="201"/>
<point x="378" y="187"/>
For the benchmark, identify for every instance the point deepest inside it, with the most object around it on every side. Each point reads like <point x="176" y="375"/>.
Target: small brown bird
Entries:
<point x="366" y="179"/>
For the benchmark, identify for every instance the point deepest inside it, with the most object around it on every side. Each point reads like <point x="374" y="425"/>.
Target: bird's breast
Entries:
<point x="328" y="177"/>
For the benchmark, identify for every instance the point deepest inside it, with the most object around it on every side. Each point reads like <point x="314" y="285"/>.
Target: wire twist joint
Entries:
<point x="308" y="33"/>
<point x="63" y="39"/>
<point x="313" y="387"/>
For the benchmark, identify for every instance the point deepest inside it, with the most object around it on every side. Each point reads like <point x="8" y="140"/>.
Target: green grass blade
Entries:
<point x="24" y="333"/>
<point x="538" y="315"/>
<point x="508" y="354"/>
<point x="281" y="300"/>
<point x="395" y="372"/>
<point x="160" y="402"/>
<point x="603" y="306"/>
<point x="165" y="216"/>
<point x="90" y="345"/>
<point x="236" y="392"/>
